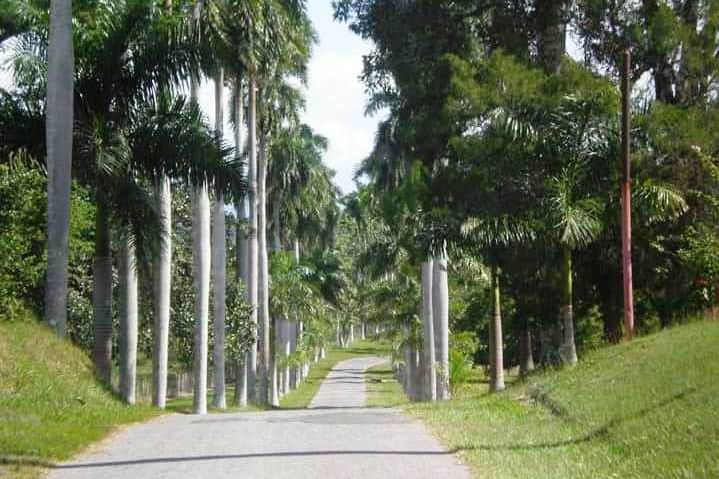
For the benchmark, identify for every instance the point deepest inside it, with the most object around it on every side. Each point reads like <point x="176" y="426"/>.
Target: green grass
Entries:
<point x="383" y="390"/>
<point x="183" y="405"/>
<point x="649" y="409"/>
<point x="51" y="406"/>
<point x="302" y="396"/>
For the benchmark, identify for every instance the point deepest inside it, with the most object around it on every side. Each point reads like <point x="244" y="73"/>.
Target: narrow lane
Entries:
<point x="338" y="437"/>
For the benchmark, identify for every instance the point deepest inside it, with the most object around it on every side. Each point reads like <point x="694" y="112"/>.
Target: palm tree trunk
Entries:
<point x="287" y="344"/>
<point x="102" y="292"/>
<point x="496" y="343"/>
<point x="526" y="358"/>
<point x="569" y="350"/>
<point x="241" y="383"/>
<point x="263" y="277"/>
<point x="440" y="315"/>
<point x="219" y="284"/>
<point x="430" y="376"/>
<point x="252" y="246"/>
<point x="242" y="213"/>
<point x="60" y="99"/>
<point x="219" y="265"/>
<point x="128" y="321"/>
<point x="201" y="272"/>
<point x="162" y="280"/>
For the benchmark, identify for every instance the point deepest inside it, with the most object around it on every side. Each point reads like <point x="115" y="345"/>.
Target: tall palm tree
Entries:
<point x="162" y="284"/>
<point x="576" y="221"/>
<point x="429" y="360"/>
<point x="201" y="269"/>
<point x="128" y="320"/>
<point x="219" y="263"/>
<point x="440" y="316"/>
<point x="60" y="120"/>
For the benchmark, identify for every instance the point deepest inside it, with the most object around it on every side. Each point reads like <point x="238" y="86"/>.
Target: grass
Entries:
<point x="647" y="409"/>
<point x="302" y="396"/>
<point x="183" y="405"/>
<point x="51" y="406"/>
<point x="383" y="390"/>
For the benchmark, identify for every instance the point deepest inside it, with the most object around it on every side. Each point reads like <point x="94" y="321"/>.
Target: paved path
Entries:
<point x="337" y="438"/>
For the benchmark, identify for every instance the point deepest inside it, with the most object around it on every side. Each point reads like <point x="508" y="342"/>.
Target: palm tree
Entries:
<point x="162" y="284"/>
<point x="576" y="222"/>
<point x="60" y="120"/>
<point x="430" y="373"/>
<point x="128" y="320"/>
<point x="440" y="316"/>
<point x="219" y="264"/>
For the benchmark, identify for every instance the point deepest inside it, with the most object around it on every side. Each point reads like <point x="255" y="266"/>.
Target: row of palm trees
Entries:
<point x="135" y="136"/>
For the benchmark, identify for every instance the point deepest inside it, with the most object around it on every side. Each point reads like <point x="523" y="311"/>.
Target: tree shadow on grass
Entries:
<point x="602" y="432"/>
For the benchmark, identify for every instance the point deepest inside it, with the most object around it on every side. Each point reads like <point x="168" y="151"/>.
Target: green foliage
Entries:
<point x="23" y="241"/>
<point x="460" y="371"/>
<point x="240" y="332"/>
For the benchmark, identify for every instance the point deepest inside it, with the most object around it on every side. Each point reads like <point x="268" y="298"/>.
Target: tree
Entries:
<point x="60" y="99"/>
<point x="219" y="264"/>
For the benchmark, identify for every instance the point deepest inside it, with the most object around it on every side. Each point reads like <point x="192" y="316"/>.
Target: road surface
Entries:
<point x="337" y="438"/>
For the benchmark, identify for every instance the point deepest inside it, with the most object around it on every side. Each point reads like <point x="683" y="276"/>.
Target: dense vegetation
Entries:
<point x="484" y="229"/>
<point x="500" y="155"/>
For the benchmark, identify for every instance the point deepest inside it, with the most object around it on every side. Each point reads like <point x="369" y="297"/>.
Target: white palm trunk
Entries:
<point x="242" y="207"/>
<point x="241" y="383"/>
<point x="430" y="376"/>
<point x="496" y="343"/>
<point x="201" y="271"/>
<point x="219" y="264"/>
<point x="252" y="245"/>
<point x="440" y="312"/>
<point x="219" y="283"/>
<point x="263" y="277"/>
<point x="60" y="99"/>
<point x="162" y="281"/>
<point x="242" y="247"/>
<point x="128" y="321"/>
<point x="286" y="343"/>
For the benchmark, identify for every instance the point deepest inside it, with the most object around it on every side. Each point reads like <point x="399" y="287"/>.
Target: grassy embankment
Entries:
<point x="51" y="406"/>
<point x="648" y="409"/>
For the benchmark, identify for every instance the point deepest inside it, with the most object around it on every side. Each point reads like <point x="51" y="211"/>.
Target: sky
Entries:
<point x="335" y="96"/>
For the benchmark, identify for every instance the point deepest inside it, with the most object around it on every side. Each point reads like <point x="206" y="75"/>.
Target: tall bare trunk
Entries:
<point x="440" y="307"/>
<point x="496" y="343"/>
<point x="526" y="357"/>
<point x="128" y="321"/>
<point x="162" y="280"/>
<point x="219" y="265"/>
<point x="430" y="376"/>
<point x="252" y="250"/>
<point x="568" y="350"/>
<point x="241" y="383"/>
<point x="242" y="207"/>
<point x="263" y="276"/>
<point x="60" y="99"/>
<point x="201" y="272"/>
<point x="102" y="292"/>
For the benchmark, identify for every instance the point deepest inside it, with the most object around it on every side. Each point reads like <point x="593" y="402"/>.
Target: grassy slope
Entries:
<point x="51" y="406"/>
<point x="649" y="409"/>
<point x="302" y="396"/>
